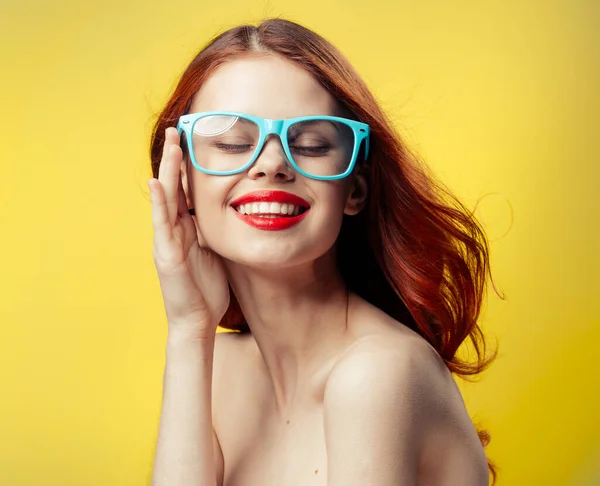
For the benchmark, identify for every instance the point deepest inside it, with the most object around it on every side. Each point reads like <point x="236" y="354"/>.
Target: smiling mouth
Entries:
<point x="270" y="209"/>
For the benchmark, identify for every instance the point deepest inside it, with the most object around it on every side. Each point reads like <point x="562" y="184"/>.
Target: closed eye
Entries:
<point x="310" y="150"/>
<point x="234" y="148"/>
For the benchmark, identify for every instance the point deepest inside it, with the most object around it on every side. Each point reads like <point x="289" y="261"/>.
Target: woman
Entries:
<point x="285" y="207"/>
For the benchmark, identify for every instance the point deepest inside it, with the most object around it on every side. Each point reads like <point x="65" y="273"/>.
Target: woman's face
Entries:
<point x="269" y="86"/>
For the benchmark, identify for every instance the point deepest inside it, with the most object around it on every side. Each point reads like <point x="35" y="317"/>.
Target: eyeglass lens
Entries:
<point x="225" y="143"/>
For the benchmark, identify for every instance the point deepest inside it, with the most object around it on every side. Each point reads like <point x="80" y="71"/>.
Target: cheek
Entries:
<point x="329" y="211"/>
<point x="211" y="190"/>
<point x="210" y="195"/>
<point x="332" y="197"/>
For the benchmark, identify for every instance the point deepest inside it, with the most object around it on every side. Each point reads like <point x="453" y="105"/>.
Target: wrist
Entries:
<point x="185" y="341"/>
<point x="191" y="329"/>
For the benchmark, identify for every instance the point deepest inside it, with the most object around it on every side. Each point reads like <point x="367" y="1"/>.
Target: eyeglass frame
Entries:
<point x="280" y="128"/>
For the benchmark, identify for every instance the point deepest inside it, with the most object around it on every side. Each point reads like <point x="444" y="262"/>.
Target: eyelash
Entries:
<point x="234" y="147"/>
<point x="312" y="150"/>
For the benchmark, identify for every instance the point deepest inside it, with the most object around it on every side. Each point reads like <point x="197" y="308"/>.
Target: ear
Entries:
<point x="359" y="190"/>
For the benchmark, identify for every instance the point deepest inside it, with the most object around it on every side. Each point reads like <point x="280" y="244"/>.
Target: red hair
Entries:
<point x="415" y="252"/>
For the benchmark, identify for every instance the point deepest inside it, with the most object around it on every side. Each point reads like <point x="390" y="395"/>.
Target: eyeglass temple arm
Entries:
<point x="179" y="128"/>
<point x="367" y="146"/>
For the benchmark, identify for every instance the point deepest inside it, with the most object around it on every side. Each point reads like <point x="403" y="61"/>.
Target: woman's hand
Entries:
<point x="192" y="277"/>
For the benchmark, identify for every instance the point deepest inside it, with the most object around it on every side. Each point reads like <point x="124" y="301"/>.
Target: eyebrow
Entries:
<point x="311" y="122"/>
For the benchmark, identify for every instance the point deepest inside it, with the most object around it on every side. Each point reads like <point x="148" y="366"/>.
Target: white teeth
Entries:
<point x="265" y="208"/>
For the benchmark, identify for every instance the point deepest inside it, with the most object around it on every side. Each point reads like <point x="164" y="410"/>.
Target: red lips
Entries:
<point x="273" y="223"/>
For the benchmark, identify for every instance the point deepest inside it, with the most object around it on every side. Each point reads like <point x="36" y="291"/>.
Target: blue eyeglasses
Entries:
<point x="318" y="147"/>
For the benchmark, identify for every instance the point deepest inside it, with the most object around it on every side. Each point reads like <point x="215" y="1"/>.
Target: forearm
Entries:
<point x="184" y="451"/>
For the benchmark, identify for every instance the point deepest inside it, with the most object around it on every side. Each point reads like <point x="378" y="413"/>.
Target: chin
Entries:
<point x="275" y="256"/>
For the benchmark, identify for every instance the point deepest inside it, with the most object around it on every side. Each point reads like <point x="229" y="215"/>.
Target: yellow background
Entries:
<point x="501" y="99"/>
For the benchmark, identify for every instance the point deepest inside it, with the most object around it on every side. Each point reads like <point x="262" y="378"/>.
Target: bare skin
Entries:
<point x="327" y="389"/>
<point x="263" y="443"/>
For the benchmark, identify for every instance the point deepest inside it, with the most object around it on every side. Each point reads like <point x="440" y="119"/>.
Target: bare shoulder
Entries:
<point x="230" y="340"/>
<point x="403" y="365"/>
<point x="398" y="387"/>
<point x="232" y="356"/>
<point x="391" y="352"/>
<point x="228" y="344"/>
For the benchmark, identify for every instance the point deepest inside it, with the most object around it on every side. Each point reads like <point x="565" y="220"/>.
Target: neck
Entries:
<point x="298" y="318"/>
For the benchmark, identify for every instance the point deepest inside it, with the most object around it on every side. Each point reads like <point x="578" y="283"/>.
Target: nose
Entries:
<point x="272" y="162"/>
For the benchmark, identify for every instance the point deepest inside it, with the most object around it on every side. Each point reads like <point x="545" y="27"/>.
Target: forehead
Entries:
<point x="265" y="85"/>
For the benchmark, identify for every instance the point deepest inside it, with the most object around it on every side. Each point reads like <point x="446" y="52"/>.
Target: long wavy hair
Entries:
<point x="415" y="251"/>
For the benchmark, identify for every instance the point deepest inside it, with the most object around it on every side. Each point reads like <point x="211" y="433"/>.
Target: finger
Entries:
<point x="190" y="222"/>
<point x="161" y="167"/>
<point x="169" y="174"/>
<point x="182" y="208"/>
<point x="163" y="230"/>
<point x="164" y="161"/>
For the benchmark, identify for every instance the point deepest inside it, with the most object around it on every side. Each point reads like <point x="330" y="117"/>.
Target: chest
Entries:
<point x="269" y="450"/>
